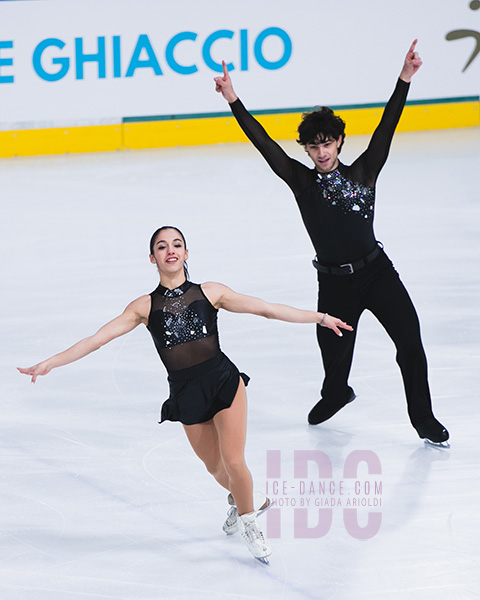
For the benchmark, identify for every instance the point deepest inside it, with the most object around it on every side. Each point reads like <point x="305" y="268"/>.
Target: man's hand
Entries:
<point x="223" y="85"/>
<point x="411" y="65"/>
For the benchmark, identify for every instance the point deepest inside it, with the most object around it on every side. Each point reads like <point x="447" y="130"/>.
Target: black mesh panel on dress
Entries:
<point x="183" y="325"/>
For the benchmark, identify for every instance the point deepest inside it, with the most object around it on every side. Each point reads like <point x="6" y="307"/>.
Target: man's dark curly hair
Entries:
<point x="320" y="125"/>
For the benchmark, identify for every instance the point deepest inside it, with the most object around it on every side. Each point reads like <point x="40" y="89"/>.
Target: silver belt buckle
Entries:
<point x="350" y="267"/>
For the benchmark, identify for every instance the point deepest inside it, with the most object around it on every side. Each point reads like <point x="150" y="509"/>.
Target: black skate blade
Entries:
<point x="263" y="560"/>
<point x="444" y="444"/>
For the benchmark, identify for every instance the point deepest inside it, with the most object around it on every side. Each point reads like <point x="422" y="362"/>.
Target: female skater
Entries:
<point x="207" y="392"/>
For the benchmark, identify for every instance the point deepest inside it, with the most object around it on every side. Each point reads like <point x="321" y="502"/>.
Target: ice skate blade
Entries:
<point x="445" y="444"/>
<point x="263" y="560"/>
<point x="259" y="500"/>
<point x="265" y="506"/>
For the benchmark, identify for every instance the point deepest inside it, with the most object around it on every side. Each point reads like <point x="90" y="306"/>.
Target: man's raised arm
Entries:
<point x="377" y="152"/>
<point x="278" y="160"/>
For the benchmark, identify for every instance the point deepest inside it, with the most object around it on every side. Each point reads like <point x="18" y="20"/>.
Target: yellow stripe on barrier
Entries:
<point x="181" y="132"/>
<point x="419" y="117"/>
<point x="214" y="130"/>
<point x="193" y="132"/>
<point x="60" y="140"/>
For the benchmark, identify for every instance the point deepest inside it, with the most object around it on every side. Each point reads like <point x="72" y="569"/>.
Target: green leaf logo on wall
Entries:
<point x="459" y="34"/>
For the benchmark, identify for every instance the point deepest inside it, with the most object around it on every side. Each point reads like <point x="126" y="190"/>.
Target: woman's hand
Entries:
<point x="41" y="369"/>
<point x="334" y="324"/>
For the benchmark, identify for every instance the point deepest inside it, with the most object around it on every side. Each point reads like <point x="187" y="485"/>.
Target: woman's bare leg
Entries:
<point x="220" y="444"/>
<point x="231" y="427"/>
<point x="203" y="438"/>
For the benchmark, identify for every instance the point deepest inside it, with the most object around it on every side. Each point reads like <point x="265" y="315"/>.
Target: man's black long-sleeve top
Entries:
<point x="337" y="208"/>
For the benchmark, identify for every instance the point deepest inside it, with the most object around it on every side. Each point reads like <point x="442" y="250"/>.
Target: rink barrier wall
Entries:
<point x="136" y="133"/>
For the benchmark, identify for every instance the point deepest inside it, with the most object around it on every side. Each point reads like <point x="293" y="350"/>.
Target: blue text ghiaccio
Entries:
<point x="53" y="58"/>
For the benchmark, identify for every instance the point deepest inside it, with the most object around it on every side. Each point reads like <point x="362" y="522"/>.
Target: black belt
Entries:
<point x="347" y="268"/>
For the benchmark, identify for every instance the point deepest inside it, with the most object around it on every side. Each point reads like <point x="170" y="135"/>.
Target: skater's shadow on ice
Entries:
<point x="326" y="439"/>
<point x="407" y="494"/>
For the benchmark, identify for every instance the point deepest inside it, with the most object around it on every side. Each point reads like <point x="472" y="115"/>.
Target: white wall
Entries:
<point x="344" y="52"/>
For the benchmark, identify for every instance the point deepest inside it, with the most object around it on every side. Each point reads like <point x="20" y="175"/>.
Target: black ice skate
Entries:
<point x="433" y="432"/>
<point x="324" y="410"/>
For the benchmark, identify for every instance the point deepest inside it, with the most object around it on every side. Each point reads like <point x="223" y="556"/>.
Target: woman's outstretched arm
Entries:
<point x="222" y="296"/>
<point x="135" y="313"/>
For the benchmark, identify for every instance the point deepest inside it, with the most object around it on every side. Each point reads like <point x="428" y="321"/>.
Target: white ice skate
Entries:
<point x="231" y="522"/>
<point x="256" y="542"/>
<point x="260" y="505"/>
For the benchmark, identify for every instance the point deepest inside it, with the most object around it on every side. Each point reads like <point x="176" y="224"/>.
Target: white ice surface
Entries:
<point x="100" y="502"/>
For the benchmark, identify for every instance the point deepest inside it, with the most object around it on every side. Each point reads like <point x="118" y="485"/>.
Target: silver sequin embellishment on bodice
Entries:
<point x="181" y="323"/>
<point x="349" y="196"/>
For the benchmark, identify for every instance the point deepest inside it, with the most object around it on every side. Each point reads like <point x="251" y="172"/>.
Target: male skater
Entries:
<point x="336" y="202"/>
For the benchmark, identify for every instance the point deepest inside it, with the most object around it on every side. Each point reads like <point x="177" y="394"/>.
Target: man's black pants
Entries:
<point x="375" y="287"/>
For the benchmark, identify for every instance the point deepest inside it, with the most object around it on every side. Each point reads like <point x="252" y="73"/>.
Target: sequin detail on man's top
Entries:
<point x="349" y="196"/>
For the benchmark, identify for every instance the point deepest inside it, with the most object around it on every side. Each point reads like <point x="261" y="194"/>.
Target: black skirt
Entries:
<point x="198" y="393"/>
